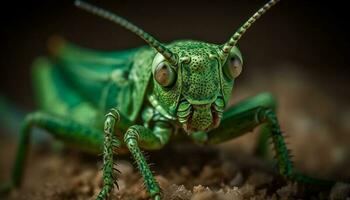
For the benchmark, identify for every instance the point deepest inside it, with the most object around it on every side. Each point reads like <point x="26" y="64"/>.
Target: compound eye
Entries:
<point x="164" y="75"/>
<point x="233" y="68"/>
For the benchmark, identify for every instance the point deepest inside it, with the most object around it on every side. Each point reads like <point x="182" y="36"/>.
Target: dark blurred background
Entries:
<point x="311" y="34"/>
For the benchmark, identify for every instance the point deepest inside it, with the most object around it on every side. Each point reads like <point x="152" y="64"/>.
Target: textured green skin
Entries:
<point x="76" y="87"/>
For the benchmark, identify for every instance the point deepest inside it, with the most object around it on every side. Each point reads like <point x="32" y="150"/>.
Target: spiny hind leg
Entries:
<point x="69" y="114"/>
<point x="251" y="113"/>
<point x="82" y="136"/>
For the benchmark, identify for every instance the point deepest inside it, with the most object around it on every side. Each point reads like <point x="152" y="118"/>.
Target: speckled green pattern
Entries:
<point x="200" y="81"/>
<point x="110" y="143"/>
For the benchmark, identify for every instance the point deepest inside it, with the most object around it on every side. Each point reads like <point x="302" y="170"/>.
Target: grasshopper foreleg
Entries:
<point x="110" y="142"/>
<point x="137" y="136"/>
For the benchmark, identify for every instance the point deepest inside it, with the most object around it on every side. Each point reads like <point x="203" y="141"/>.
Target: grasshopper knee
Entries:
<point x="267" y="100"/>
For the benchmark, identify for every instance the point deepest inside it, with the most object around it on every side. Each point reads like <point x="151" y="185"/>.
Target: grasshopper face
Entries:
<point x="202" y="82"/>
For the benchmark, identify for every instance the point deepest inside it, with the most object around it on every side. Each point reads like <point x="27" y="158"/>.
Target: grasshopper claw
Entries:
<point x="157" y="197"/>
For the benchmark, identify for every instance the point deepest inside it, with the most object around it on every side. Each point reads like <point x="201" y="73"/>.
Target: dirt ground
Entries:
<point x="317" y="124"/>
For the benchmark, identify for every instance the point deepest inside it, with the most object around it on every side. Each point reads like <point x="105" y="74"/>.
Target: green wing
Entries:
<point x="106" y="79"/>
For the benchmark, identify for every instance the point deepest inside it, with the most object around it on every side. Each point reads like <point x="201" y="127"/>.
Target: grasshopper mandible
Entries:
<point x="149" y="94"/>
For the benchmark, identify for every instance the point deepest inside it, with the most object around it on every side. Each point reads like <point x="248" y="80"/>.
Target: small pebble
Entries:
<point x="237" y="180"/>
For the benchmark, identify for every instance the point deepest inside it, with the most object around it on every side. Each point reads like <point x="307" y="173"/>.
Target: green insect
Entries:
<point x="150" y="95"/>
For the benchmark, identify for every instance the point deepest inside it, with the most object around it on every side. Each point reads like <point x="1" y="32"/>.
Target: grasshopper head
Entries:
<point x="200" y="83"/>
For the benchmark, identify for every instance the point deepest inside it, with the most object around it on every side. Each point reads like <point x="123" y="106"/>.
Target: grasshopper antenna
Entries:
<point x="168" y="55"/>
<point x="226" y="48"/>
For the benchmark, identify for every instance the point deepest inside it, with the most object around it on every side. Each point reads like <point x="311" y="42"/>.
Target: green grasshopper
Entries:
<point x="150" y="95"/>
